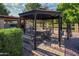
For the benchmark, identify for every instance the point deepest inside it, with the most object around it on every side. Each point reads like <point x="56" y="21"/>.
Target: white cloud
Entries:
<point x="16" y="8"/>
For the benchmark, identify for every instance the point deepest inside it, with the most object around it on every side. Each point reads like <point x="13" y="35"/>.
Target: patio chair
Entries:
<point x="47" y="38"/>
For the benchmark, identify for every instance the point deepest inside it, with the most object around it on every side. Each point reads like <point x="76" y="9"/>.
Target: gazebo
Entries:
<point x="6" y="19"/>
<point x="38" y="14"/>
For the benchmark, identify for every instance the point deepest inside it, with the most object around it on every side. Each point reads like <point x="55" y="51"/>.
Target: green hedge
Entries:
<point x="11" y="41"/>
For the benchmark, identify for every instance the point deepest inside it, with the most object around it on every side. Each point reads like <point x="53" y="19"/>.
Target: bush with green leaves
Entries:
<point x="11" y="41"/>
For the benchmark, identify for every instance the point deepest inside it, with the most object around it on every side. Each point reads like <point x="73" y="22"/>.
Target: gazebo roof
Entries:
<point x="41" y="14"/>
<point x="11" y="17"/>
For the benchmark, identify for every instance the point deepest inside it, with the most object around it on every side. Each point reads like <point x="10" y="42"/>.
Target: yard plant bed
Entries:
<point x="11" y="41"/>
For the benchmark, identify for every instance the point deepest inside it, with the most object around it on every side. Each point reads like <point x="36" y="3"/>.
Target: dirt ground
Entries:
<point x="73" y="42"/>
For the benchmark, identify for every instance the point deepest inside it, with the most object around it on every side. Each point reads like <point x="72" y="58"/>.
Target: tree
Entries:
<point x="31" y="6"/>
<point x="70" y="12"/>
<point x="3" y="10"/>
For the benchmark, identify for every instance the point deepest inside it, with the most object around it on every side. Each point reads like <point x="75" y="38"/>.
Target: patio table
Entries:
<point x="43" y="34"/>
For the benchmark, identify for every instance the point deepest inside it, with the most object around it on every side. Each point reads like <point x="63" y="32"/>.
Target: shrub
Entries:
<point x="11" y="41"/>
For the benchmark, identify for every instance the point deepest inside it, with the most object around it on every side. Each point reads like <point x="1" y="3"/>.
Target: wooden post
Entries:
<point x="24" y="25"/>
<point x="19" y="23"/>
<point x="35" y="47"/>
<point x="1" y="23"/>
<point x="33" y="23"/>
<point x="76" y="27"/>
<point x="53" y="26"/>
<point x="40" y="23"/>
<point x="60" y="30"/>
<point x="43" y="24"/>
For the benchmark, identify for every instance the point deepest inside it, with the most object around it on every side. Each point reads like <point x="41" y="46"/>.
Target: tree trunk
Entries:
<point x="69" y="30"/>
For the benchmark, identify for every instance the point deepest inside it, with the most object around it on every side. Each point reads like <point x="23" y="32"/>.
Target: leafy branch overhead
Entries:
<point x="3" y="10"/>
<point x="70" y="11"/>
<point x="31" y="6"/>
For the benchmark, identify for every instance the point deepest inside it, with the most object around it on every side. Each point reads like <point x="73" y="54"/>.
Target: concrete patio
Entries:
<point x="70" y="48"/>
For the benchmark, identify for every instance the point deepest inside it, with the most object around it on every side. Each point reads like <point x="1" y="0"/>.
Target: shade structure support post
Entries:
<point x="40" y="23"/>
<point x="33" y="23"/>
<point x="60" y="30"/>
<point x="53" y="26"/>
<point x="24" y="21"/>
<point x="19" y="23"/>
<point x="35" y="46"/>
<point x="22" y="25"/>
<point x="43" y="24"/>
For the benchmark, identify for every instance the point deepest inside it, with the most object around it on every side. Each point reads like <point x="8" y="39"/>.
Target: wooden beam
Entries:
<point x="35" y="46"/>
<point x="60" y="30"/>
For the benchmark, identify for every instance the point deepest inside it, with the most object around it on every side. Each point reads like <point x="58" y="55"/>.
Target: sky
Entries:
<point x="16" y="8"/>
